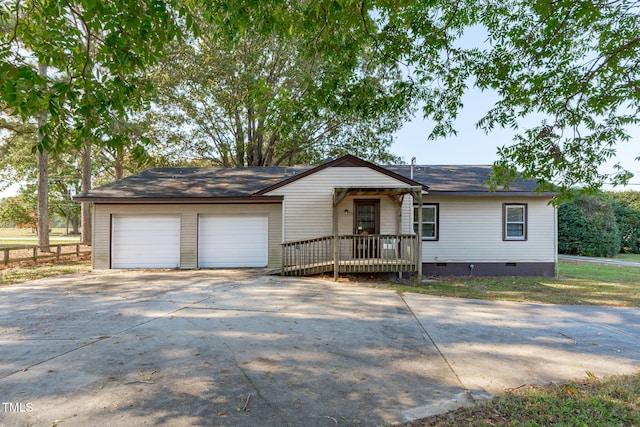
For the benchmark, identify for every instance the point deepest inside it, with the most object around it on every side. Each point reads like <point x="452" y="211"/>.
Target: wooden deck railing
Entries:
<point x="305" y="257"/>
<point x="374" y="253"/>
<point x="54" y="251"/>
<point x="377" y="253"/>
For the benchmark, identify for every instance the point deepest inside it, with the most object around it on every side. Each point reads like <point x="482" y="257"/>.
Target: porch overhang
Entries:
<point x="394" y="193"/>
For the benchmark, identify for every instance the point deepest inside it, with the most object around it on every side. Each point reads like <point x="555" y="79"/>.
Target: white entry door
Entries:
<point x="145" y="241"/>
<point x="232" y="241"/>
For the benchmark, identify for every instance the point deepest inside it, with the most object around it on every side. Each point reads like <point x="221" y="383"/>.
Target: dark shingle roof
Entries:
<point x="224" y="183"/>
<point x="194" y="183"/>
<point x="459" y="178"/>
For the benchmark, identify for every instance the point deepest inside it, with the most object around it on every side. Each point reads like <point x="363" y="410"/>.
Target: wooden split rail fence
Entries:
<point x="53" y="251"/>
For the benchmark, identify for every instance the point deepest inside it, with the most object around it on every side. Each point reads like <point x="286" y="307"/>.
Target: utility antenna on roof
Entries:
<point x="413" y="164"/>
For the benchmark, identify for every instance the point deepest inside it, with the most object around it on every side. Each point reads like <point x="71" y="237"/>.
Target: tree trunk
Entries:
<point x="42" y="160"/>
<point x="118" y="164"/>
<point x="74" y="225"/>
<point x="239" y="140"/>
<point x="85" y="207"/>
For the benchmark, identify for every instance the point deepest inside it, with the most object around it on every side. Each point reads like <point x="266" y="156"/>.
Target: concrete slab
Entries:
<point x="493" y="346"/>
<point x="239" y="348"/>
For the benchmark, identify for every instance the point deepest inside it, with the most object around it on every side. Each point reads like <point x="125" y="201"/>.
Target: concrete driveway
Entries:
<point x="238" y="348"/>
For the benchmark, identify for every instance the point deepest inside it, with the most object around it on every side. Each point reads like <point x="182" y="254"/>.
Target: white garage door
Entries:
<point x="232" y="241"/>
<point x="145" y="241"/>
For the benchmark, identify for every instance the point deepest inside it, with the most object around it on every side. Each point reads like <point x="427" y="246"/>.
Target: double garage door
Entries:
<point x="222" y="241"/>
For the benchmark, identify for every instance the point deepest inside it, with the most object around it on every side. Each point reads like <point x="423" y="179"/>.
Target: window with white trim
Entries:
<point x="514" y="222"/>
<point x="430" y="221"/>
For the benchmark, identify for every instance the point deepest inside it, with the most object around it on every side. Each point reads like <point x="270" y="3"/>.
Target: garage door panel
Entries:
<point x="240" y="241"/>
<point x="145" y="242"/>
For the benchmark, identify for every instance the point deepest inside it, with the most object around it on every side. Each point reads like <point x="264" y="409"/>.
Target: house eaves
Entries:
<point x="345" y="161"/>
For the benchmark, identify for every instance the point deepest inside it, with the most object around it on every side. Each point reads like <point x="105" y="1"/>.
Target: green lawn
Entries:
<point x="578" y="283"/>
<point x="12" y="237"/>
<point x="628" y="257"/>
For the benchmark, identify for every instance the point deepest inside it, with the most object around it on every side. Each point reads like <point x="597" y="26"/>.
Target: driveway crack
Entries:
<point x="435" y="345"/>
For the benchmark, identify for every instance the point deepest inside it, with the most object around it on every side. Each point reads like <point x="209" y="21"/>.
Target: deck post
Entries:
<point x="418" y="256"/>
<point x="336" y="243"/>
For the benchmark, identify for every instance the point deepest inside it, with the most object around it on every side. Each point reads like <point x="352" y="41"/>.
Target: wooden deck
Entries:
<point x="355" y="254"/>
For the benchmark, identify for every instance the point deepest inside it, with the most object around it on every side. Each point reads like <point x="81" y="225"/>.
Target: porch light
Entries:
<point x="346" y="211"/>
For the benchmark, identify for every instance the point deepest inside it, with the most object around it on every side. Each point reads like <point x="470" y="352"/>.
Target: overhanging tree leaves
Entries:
<point x="576" y="64"/>
<point x="255" y="97"/>
<point x="571" y="65"/>
<point x="96" y="52"/>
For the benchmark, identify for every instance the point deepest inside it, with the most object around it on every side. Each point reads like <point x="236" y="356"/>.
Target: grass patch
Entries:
<point x="613" y="401"/>
<point x="577" y="283"/>
<point x="628" y="257"/>
<point x="14" y="237"/>
<point x="598" y="272"/>
<point x="21" y="273"/>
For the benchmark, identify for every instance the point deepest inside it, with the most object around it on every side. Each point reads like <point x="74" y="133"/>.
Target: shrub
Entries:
<point x="587" y="226"/>
<point x="628" y="220"/>
<point x="627" y="198"/>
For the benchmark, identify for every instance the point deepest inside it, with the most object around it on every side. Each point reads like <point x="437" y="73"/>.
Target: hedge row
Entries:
<point x="598" y="226"/>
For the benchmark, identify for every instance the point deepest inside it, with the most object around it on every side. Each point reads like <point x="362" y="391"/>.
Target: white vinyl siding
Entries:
<point x="471" y="230"/>
<point x="236" y="241"/>
<point x="145" y="241"/>
<point x="188" y="213"/>
<point x="309" y="202"/>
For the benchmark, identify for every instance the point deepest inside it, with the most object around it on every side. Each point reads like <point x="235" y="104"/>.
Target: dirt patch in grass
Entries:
<point x="22" y="271"/>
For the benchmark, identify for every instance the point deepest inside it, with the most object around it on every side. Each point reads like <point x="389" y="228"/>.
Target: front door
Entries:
<point x="366" y="228"/>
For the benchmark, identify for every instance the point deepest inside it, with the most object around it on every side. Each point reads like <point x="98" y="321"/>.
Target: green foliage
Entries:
<point x="18" y="166"/>
<point x="627" y="198"/>
<point x="572" y="66"/>
<point x="587" y="226"/>
<point x="256" y="97"/>
<point x="626" y="205"/>
<point x="628" y="221"/>
<point x="19" y="212"/>
<point x="96" y="53"/>
<point x="17" y="145"/>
